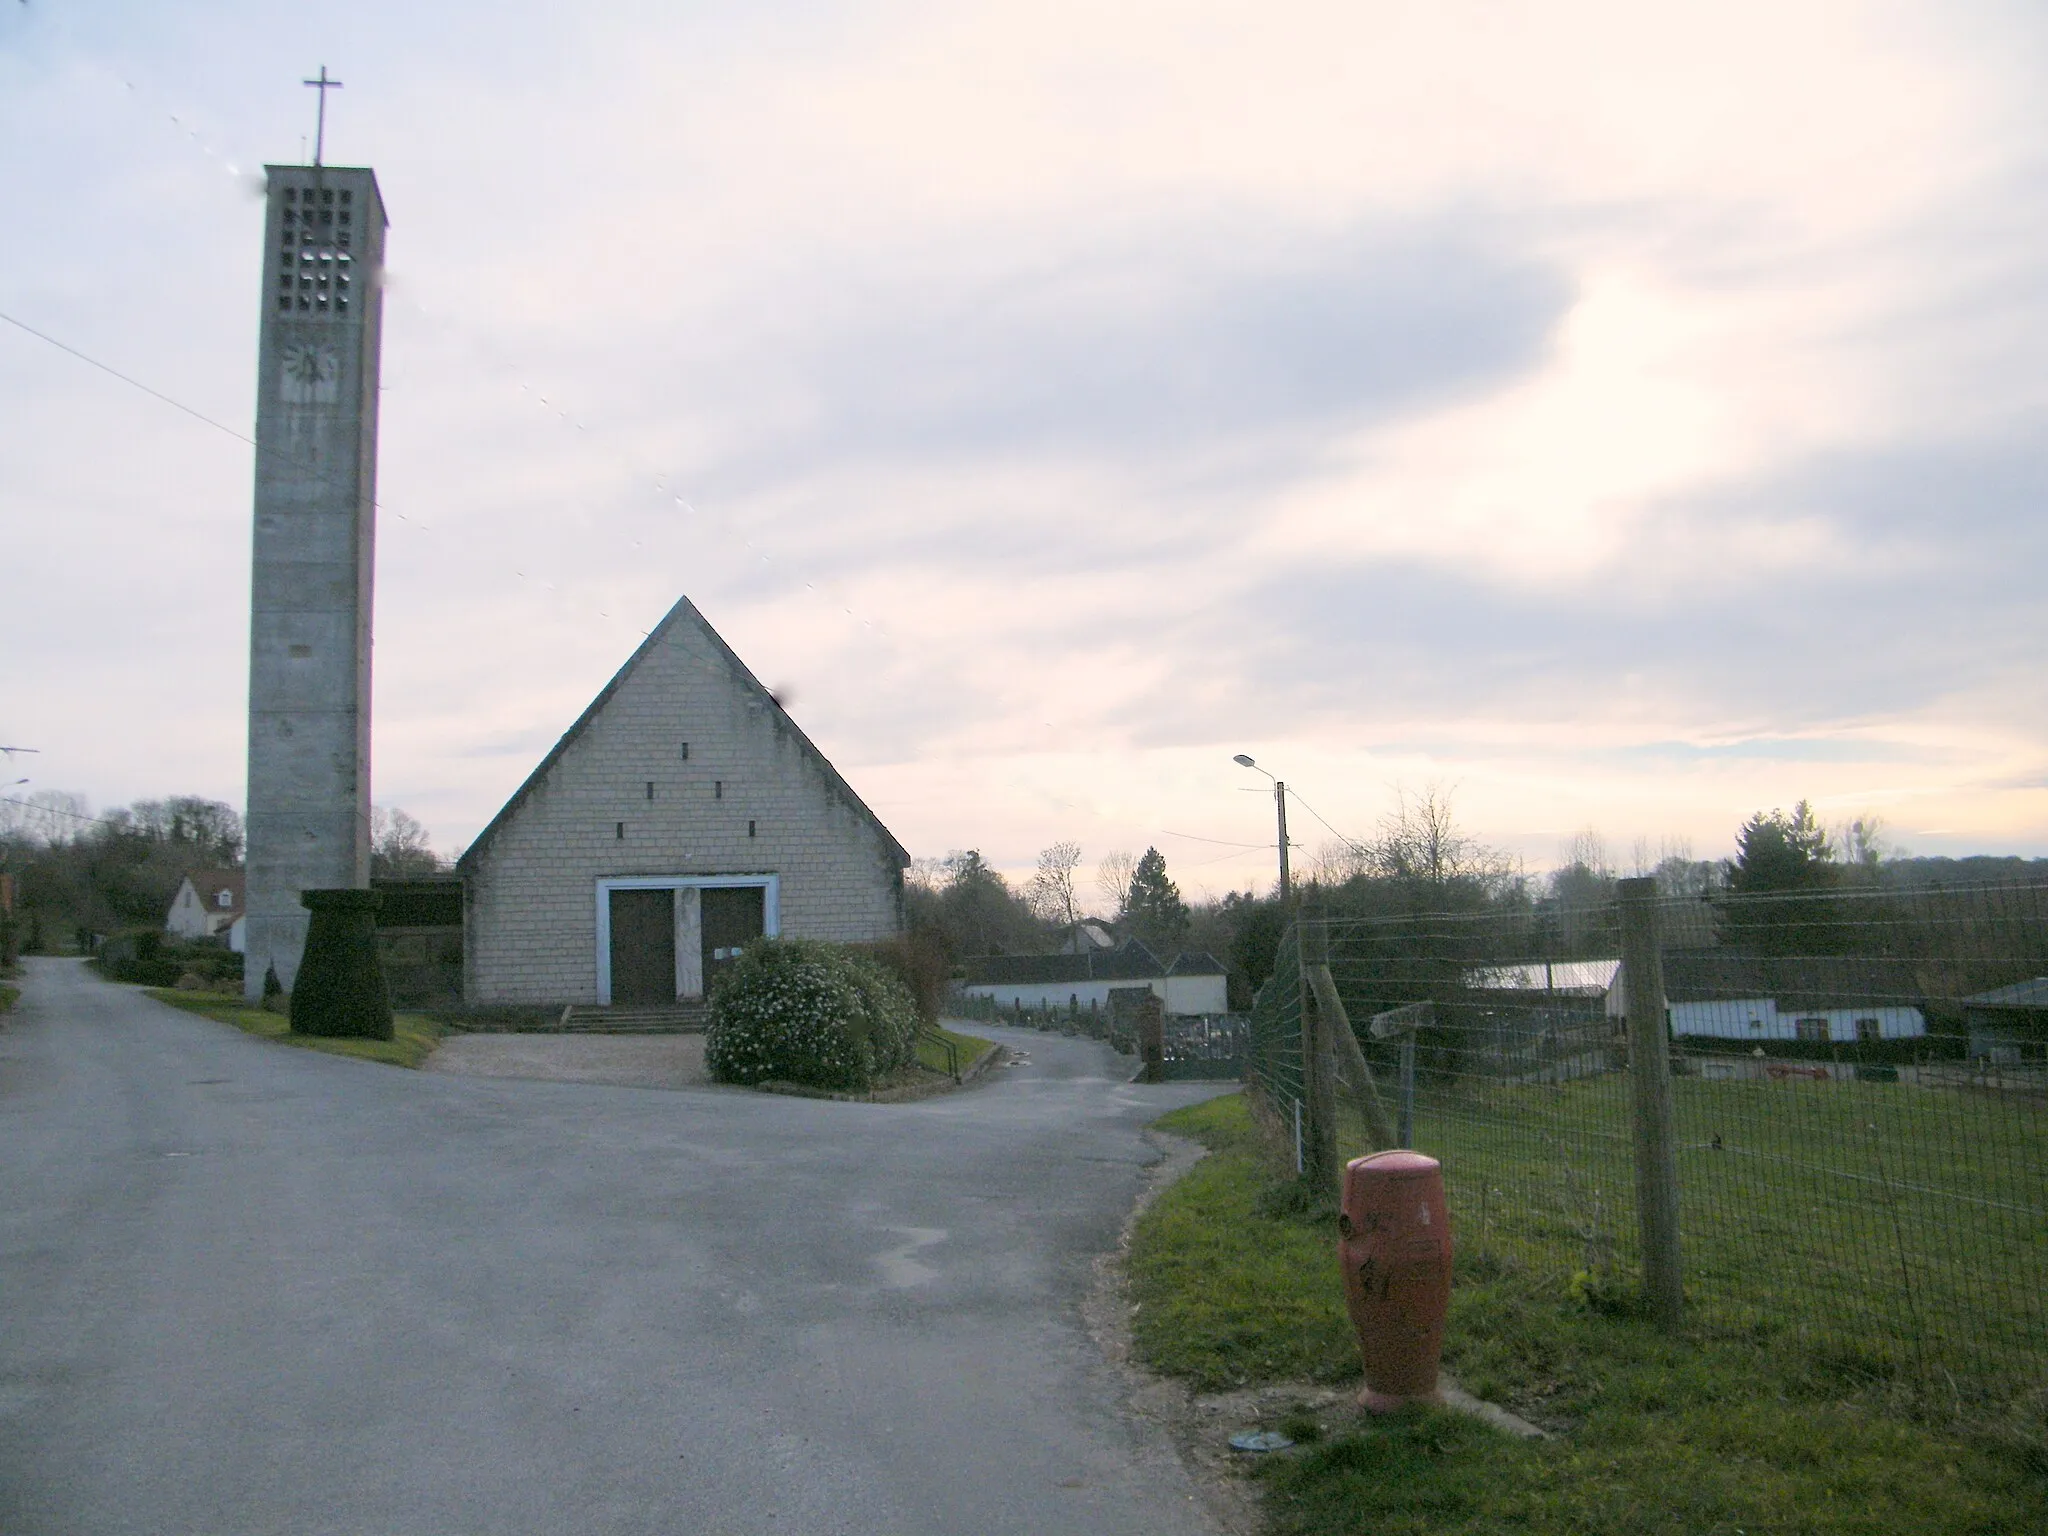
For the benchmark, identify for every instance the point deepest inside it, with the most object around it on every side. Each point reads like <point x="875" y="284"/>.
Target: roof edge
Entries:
<point x="683" y="608"/>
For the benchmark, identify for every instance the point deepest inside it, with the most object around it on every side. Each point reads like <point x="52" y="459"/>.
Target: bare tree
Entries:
<point x="1336" y="862"/>
<point x="1864" y="842"/>
<point x="1051" y="890"/>
<point x="399" y="845"/>
<point x="928" y="874"/>
<point x="1421" y="841"/>
<point x="1113" y="879"/>
<point x="54" y="816"/>
<point x="1588" y="851"/>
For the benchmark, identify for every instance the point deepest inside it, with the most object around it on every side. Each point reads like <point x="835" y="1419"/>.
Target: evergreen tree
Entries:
<point x="1777" y="852"/>
<point x="1153" y="907"/>
<point x="1778" y="888"/>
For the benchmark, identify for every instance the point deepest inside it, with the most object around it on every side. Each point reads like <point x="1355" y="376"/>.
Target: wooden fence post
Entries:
<point x="1649" y="1060"/>
<point x="1318" y="1062"/>
<point x="1151" y="1039"/>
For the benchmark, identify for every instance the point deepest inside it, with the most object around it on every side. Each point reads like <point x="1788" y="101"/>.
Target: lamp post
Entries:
<point x="1243" y="760"/>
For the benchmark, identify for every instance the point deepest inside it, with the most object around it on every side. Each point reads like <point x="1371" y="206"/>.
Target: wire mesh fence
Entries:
<point x="1860" y="1087"/>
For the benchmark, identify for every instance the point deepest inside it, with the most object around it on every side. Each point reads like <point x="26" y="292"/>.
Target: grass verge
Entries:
<point x="932" y="1056"/>
<point x="1719" y="1431"/>
<point x="9" y="995"/>
<point x="413" y="1042"/>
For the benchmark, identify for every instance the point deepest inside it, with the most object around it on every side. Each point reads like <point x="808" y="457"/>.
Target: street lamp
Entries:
<point x="1244" y="760"/>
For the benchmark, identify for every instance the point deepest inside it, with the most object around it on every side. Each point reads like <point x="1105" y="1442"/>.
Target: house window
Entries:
<point x="1813" y="1029"/>
<point x="227" y="898"/>
<point x="1868" y="1030"/>
<point x="1756" y="1026"/>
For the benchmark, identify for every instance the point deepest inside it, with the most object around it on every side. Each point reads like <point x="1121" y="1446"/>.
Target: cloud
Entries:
<point x="1191" y="343"/>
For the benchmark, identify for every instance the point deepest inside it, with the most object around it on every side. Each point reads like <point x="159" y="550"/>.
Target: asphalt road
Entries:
<point x="246" y="1288"/>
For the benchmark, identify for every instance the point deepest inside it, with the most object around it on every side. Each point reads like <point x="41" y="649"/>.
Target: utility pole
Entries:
<point x="1280" y="807"/>
<point x="1245" y="760"/>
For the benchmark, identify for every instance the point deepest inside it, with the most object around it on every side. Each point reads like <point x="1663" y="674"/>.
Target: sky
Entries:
<point x="1619" y="417"/>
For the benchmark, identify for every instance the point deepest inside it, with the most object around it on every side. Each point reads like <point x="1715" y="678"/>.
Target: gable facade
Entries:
<point x="681" y="814"/>
<point x="208" y="903"/>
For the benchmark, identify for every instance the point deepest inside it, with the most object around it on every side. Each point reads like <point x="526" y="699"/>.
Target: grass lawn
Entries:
<point x="1727" y="1429"/>
<point x="971" y="1048"/>
<point x="413" y="1043"/>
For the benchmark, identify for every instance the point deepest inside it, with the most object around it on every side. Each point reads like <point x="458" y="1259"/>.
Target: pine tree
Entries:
<point x="1152" y="906"/>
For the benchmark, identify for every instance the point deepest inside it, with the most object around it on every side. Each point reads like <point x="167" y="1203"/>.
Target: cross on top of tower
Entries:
<point x="323" y="85"/>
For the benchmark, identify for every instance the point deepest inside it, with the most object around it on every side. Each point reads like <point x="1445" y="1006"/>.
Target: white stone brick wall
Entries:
<point x="531" y="929"/>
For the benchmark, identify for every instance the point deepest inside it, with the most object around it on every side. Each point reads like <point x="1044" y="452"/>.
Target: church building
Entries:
<point x="683" y="814"/>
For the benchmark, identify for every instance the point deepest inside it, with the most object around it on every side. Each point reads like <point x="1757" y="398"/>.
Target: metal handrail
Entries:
<point x="938" y="1037"/>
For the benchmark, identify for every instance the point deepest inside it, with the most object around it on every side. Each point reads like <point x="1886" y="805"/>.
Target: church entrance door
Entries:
<point x="734" y="916"/>
<point x="643" y="957"/>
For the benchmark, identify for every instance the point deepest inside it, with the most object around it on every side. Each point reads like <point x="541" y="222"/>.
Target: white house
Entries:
<point x="1818" y="1002"/>
<point x="1190" y="983"/>
<point x="1765" y="1018"/>
<point x="208" y="902"/>
<point x="683" y="814"/>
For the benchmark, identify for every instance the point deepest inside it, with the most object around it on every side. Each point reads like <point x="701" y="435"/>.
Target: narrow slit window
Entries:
<point x="650" y="789"/>
<point x="718" y="789"/>
<point x="750" y="829"/>
<point x="686" y="751"/>
<point x="619" y="832"/>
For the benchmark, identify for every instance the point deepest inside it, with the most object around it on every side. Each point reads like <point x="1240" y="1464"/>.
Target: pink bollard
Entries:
<point x="1396" y="1252"/>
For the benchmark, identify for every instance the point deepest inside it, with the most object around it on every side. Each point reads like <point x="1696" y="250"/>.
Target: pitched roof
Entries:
<point x="1574" y="978"/>
<point x="1131" y="961"/>
<point x="2021" y="994"/>
<point x="209" y="883"/>
<point x="683" y="611"/>
<point x="1795" y="981"/>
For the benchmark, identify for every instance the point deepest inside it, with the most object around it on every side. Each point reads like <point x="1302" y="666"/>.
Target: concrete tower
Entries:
<point x="315" y="545"/>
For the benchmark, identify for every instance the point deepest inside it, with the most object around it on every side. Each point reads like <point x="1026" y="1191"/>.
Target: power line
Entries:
<point x="1219" y="842"/>
<point x="54" y="810"/>
<point x="107" y="368"/>
<point x="1349" y="842"/>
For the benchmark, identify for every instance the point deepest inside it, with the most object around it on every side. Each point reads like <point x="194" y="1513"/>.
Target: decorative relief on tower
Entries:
<point x="312" y="374"/>
<point x="315" y="259"/>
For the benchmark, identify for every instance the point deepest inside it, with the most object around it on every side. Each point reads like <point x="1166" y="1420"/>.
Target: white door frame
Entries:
<point x="770" y="887"/>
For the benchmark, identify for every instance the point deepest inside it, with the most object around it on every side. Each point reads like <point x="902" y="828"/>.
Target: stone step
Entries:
<point x="677" y="1018"/>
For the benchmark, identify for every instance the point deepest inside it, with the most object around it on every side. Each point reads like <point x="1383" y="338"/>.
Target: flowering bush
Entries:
<point x="794" y="1010"/>
<point x="891" y="1022"/>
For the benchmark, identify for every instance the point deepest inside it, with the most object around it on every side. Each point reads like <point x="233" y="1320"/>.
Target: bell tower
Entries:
<point x="314" y="551"/>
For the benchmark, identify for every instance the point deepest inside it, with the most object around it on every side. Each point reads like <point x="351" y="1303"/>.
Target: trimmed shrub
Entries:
<point x="799" y="1011"/>
<point x="339" y="990"/>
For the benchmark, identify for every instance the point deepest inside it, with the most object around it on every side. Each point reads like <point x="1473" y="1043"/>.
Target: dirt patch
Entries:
<point x="621" y="1061"/>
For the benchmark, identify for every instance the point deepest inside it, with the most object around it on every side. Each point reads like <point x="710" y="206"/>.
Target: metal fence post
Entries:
<point x="1649" y="1058"/>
